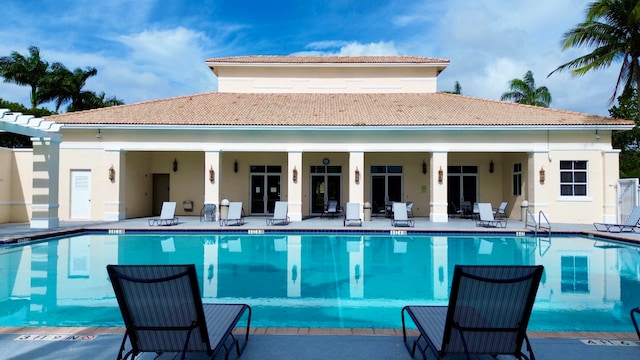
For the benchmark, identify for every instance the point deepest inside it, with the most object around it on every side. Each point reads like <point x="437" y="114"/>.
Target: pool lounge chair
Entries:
<point x="167" y="215"/>
<point x="635" y="314"/>
<point x="488" y="314"/>
<point x="163" y="313"/>
<point x="331" y="210"/>
<point x="279" y="214"/>
<point x="400" y="217"/>
<point x="234" y="216"/>
<point x="501" y="211"/>
<point x="208" y="212"/>
<point x="410" y="208"/>
<point x="631" y="225"/>
<point x="486" y="219"/>
<point x="352" y="214"/>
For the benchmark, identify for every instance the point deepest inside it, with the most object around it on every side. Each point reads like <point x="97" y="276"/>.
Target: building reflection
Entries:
<point x="43" y="283"/>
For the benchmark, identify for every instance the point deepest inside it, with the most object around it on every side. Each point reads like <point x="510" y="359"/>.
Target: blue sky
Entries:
<point x="155" y="49"/>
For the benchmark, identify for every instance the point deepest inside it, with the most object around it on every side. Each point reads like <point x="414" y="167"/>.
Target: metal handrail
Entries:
<point x="538" y="225"/>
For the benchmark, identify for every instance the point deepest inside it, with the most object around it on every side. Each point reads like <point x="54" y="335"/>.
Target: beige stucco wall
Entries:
<point x="15" y="185"/>
<point x="271" y="79"/>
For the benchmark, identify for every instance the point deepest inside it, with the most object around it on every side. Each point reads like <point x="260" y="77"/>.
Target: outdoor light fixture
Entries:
<point x="175" y="165"/>
<point x="235" y="166"/>
<point x="424" y="167"/>
<point x="491" y="167"/>
<point x="542" y="175"/>
<point x="357" y="175"/>
<point x="112" y="174"/>
<point x="295" y="174"/>
<point x="99" y="134"/>
<point x="212" y="174"/>
<point x="440" y="175"/>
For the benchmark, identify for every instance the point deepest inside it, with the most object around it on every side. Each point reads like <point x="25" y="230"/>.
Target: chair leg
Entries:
<point x="634" y="313"/>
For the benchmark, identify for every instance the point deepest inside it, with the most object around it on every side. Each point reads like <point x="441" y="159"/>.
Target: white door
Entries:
<point x="80" y="194"/>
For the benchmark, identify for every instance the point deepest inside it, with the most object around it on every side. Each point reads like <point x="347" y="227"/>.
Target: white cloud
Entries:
<point x="343" y="48"/>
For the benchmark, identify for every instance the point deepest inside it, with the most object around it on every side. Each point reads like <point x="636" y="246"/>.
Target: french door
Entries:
<point x="326" y="184"/>
<point x="265" y="188"/>
<point x="462" y="185"/>
<point x="386" y="184"/>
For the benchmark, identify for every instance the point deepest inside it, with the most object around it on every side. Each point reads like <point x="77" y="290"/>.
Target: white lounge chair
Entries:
<point x="167" y="215"/>
<point x="234" y="216"/>
<point x="400" y="217"/>
<point x="631" y="225"/>
<point x="279" y="214"/>
<point x="332" y="209"/>
<point x="486" y="218"/>
<point x="500" y="212"/>
<point x="352" y="214"/>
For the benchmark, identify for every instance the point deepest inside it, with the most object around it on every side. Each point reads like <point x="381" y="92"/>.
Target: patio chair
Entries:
<point x="352" y="214"/>
<point x="632" y="224"/>
<point x="331" y="210"/>
<point x="501" y="211"/>
<point x="456" y="212"/>
<point x="400" y="217"/>
<point x="234" y="216"/>
<point x="635" y="313"/>
<point x="167" y="215"/>
<point x="279" y="214"/>
<point x="488" y="314"/>
<point x="410" y="208"/>
<point x="486" y="218"/>
<point x="163" y="313"/>
<point x="208" y="212"/>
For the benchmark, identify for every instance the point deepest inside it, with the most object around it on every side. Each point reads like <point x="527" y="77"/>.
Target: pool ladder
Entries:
<point x="543" y="224"/>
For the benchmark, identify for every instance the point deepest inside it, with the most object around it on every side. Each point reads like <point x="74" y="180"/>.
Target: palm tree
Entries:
<point x="30" y="71"/>
<point x="524" y="91"/>
<point x="612" y="29"/>
<point x="64" y="86"/>
<point x="457" y="89"/>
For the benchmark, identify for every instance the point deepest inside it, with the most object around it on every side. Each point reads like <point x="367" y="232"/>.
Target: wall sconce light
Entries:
<point x="295" y="174"/>
<point x="357" y="176"/>
<point x="440" y="175"/>
<point x="212" y="174"/>
<point x="175" y="165"/>
<point x="424" y="167"/>
<point x="542" y="175"/>
<point x="597" y="135"/>
<point x="112" y="174"/>
<point x="235" y="166"/>
<point x="99" y="134"/>
<point x="491" y="166"/>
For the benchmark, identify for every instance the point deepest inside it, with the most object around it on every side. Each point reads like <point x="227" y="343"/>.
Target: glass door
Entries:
<point x="326" y="184"/>
<point x="265" y="188"/>
<point x="462" y="185"/>
<point x="386" y="185"/>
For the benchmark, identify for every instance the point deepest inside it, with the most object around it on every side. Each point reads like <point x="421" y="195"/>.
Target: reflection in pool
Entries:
<point x="319" y="279"/>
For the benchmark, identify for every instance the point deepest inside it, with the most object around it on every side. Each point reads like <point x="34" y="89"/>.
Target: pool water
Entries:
<point x="319" y="279"/>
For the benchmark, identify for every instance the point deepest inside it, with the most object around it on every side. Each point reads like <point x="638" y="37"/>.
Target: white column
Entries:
<point x="294" y="190"/>
<point x="46" y="168"/>
<point x="115" y="190"/>
<point x="212" y="188"/>
<point x="438" y="187"/>
<point x="356" y="172"/>
<point x="538" y="190"/>
<point x="610" y="177"/>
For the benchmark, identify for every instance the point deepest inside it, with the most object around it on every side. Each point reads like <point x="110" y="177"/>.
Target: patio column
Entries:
<point x="610" y="176"/>
<point x="46" y="167"/>
<point x="438" y="187"/>
<point x="114" y="190"/>
<point x="212" y="186"/>
<point x="356" y="179"/>
<point x="537" y="190"/>
<point x="294" y="184"/>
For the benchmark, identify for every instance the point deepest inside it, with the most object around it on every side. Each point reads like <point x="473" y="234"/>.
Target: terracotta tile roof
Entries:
<point x="436" y="109"/>
<point x="327" y="60"/>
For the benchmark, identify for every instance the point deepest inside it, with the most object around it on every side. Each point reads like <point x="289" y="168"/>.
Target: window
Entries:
<point x="573" y="178"/>
<point x="574" y="274"/>
<point x="517" y="179"/>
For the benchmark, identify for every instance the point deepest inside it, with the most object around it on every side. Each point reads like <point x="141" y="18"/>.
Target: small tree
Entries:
<point x="524" y="91"/>
<point x="627" y="141"/>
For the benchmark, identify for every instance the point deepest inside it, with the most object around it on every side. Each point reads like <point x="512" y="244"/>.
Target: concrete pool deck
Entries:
<point x="288" y="343"/>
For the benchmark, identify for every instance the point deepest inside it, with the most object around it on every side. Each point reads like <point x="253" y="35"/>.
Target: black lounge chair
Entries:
<point x="163" y="312"/>
<point x="488" y="314"/>
<point x="635" y="314"/>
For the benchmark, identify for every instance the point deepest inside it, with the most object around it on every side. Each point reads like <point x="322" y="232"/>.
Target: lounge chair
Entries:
<point x="208" y="212"/>
<point x="400" y="217"/>
<point x="635" y="313"/>
<point x="486" y="218"/>
<point x="167" y="215"/>
<point x="631" y="225"/>
<point x="501" y="211"/>
<point x="331" y="210"/>
<point x="352" y="214"/>
<point x="488" y="314"/>
<point x="163" y="312"/>
<point x="234" y="215"/>
<point x="410" y="208"/>
<point x="279" y="214"/>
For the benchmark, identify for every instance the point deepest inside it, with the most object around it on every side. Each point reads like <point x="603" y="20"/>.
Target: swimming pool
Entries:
<point x="319" y="279"/>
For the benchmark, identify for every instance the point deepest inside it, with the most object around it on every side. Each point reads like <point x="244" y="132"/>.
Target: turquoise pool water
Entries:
<point x="319" y="279"/>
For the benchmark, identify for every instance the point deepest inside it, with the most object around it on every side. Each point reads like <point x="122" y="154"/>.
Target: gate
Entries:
<point x="628" y="192"/>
